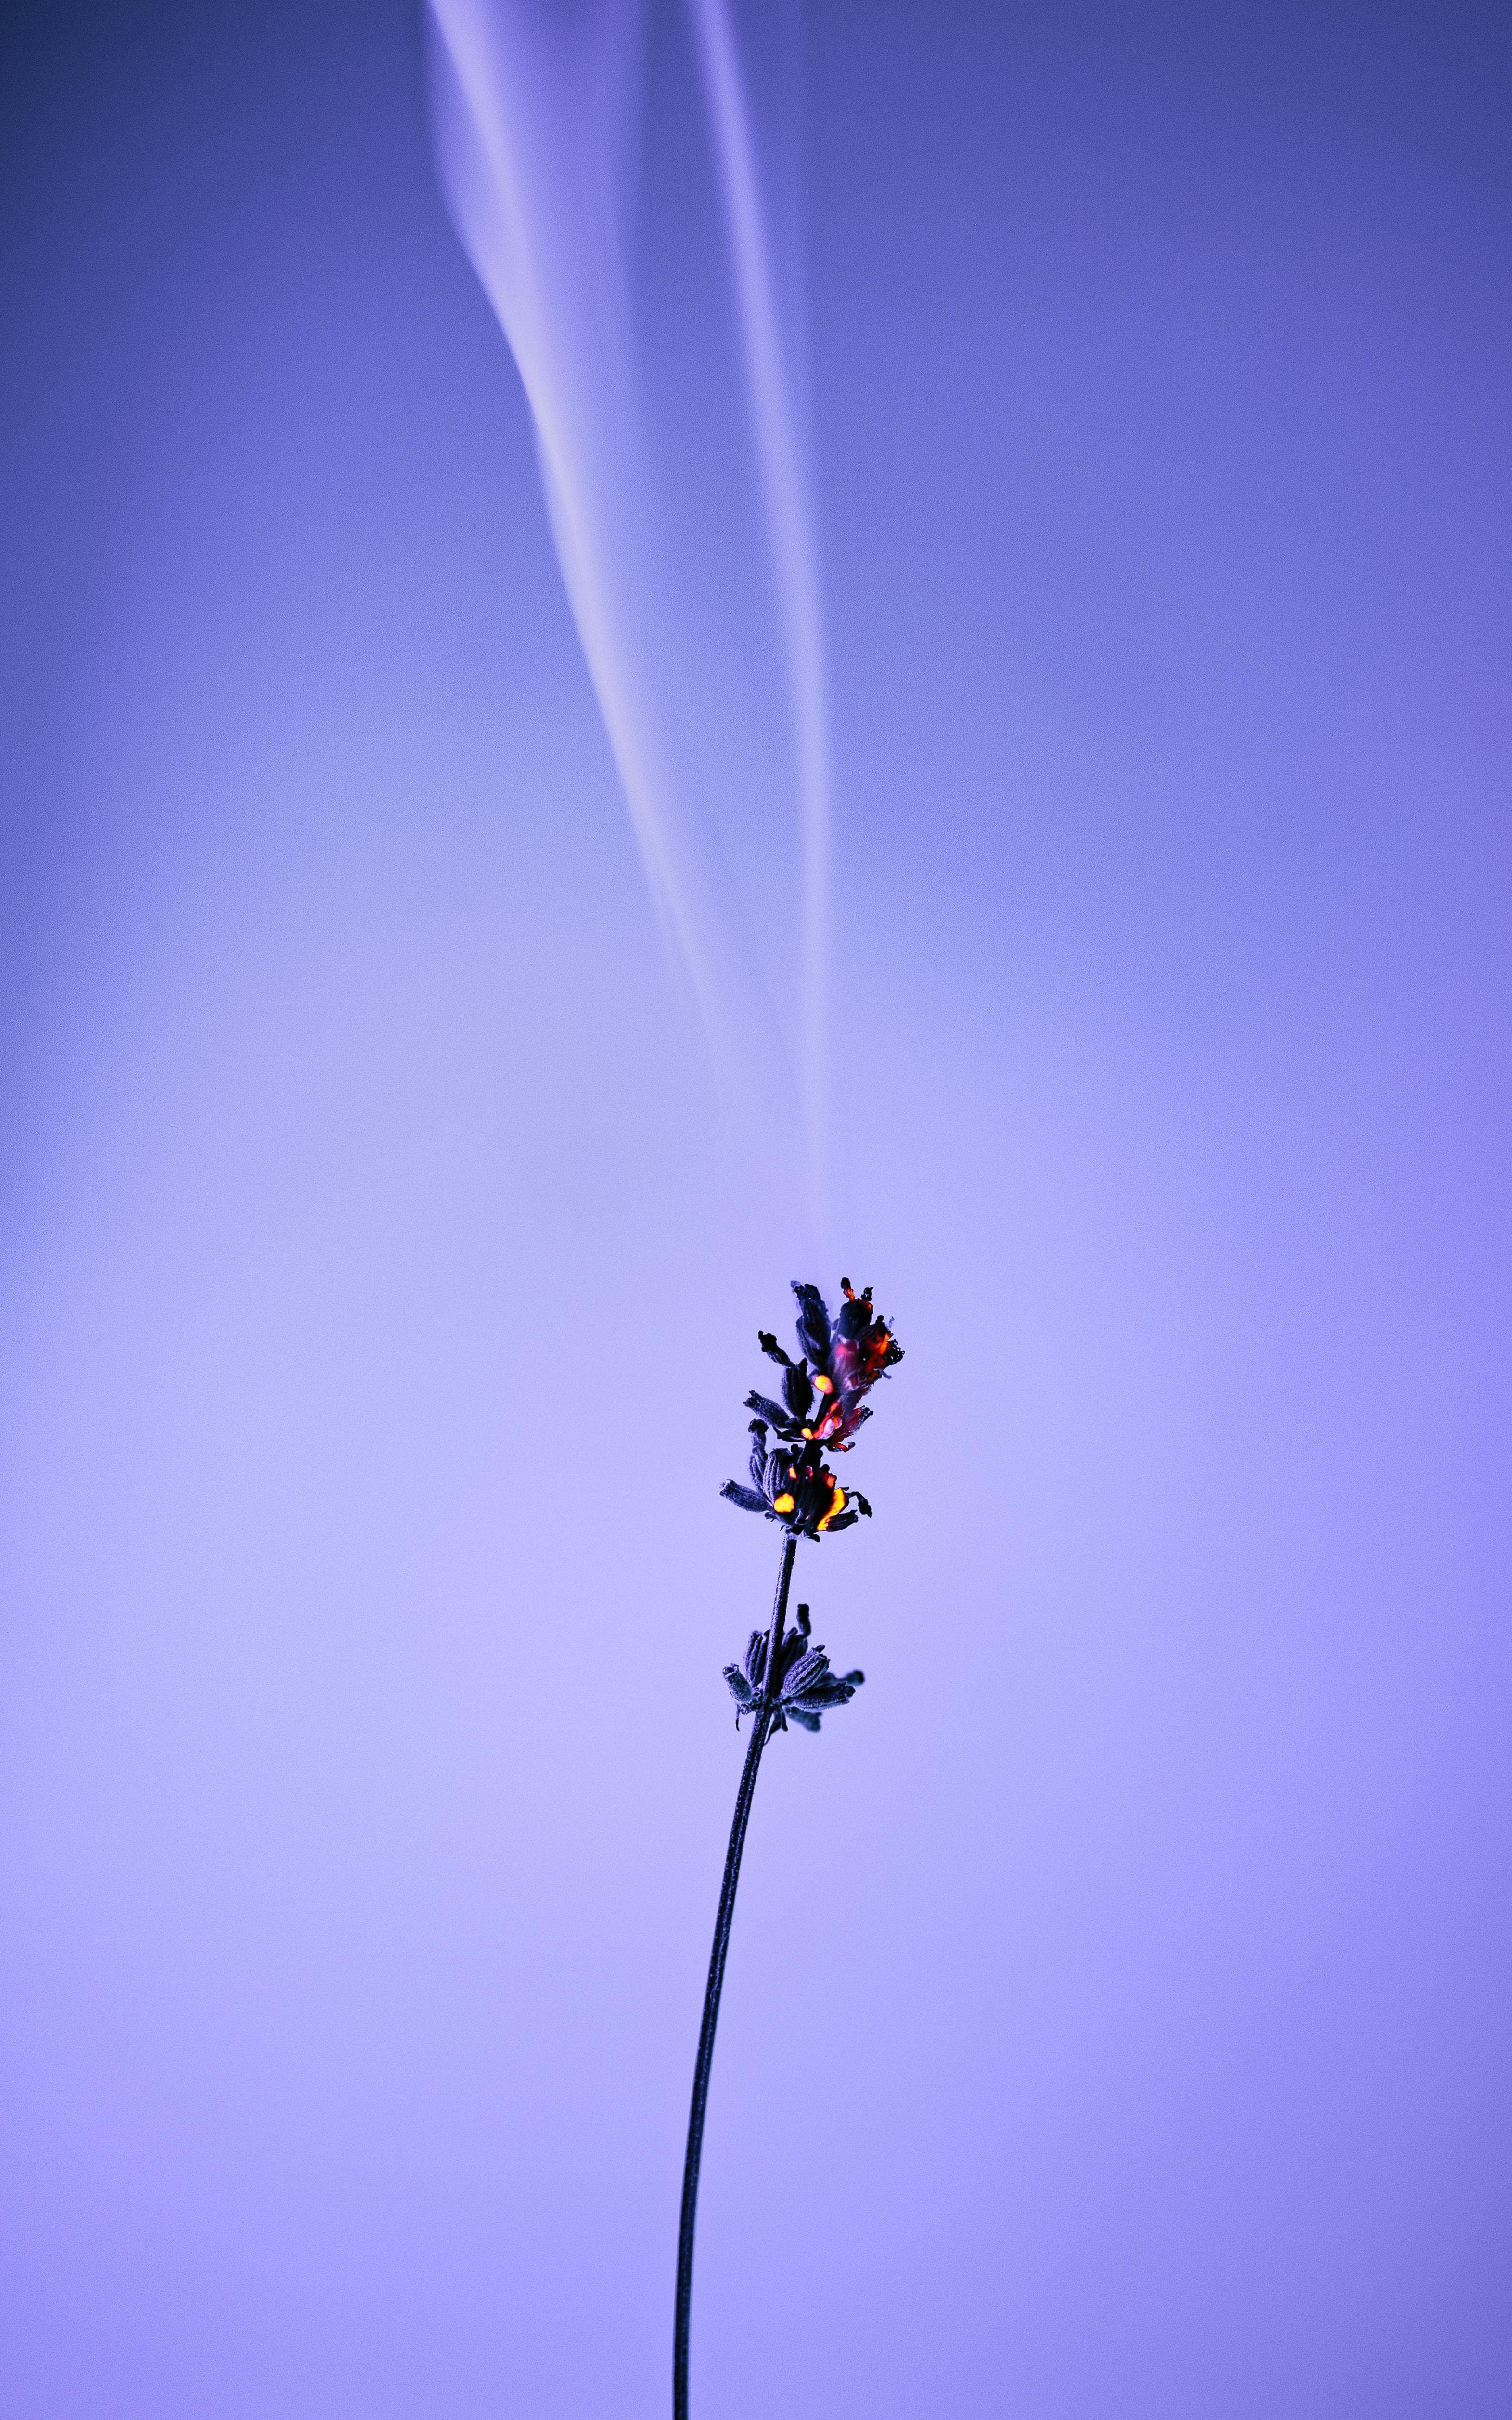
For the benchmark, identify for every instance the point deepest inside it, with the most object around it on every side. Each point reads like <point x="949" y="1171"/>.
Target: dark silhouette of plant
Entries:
<point x="783" y="1677"/>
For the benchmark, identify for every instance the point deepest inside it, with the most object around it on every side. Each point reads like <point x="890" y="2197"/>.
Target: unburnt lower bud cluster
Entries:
<point x="807" y="1688"/>
<point x="820" y="1410"/>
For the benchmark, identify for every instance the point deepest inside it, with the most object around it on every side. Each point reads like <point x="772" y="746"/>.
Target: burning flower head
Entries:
<point x="820" y="1410"/>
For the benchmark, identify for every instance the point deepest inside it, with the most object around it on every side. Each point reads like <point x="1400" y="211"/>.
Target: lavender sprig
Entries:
<point x="783" y="1677"/>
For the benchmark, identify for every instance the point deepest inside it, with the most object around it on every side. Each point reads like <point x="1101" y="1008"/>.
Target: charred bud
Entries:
<point x="794" y="1486"/>
<point x="813" y="1323"/>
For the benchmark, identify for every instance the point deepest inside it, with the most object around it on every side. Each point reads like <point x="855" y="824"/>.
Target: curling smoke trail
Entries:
<point x="521" y="104"/>
<point x="790" y="518"/>
<point x="535" y="109"/>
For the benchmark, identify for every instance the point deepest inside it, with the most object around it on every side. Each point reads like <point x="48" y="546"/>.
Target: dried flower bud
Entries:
<point x="807" y="1688"/>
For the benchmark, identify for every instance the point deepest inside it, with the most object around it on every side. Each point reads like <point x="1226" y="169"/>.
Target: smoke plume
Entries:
<point x="538" y="113"/>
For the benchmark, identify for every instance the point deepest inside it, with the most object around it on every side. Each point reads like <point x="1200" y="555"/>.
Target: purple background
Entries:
<point x="1118" y="2014"/>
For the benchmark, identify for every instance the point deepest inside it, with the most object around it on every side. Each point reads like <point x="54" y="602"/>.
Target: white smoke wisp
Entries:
<point x="533" y="109"/>
<point x="790" y="521"/>
<point x="537" y="109"/>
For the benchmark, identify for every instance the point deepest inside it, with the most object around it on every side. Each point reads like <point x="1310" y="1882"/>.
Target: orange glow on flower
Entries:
<point x="820" y="1410"/>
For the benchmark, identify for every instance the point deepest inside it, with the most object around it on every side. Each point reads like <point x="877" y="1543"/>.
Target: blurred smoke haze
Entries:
<point x="1118" y="2013"/>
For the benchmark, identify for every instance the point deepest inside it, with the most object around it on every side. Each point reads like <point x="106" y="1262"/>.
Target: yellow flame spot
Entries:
<point x="835" y="1506"/>
<point x="783" y="1504"/>
<point x="825" y="1386"/>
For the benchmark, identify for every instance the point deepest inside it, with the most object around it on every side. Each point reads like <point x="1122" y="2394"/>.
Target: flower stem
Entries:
<point x="760" y="1728"/>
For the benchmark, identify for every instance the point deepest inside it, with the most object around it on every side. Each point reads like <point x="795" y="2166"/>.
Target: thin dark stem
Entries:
<point x="761" y="1725"/>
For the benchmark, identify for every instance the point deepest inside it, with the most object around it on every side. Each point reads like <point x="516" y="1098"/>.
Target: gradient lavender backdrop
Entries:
<point x="1119" y="2016"/>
